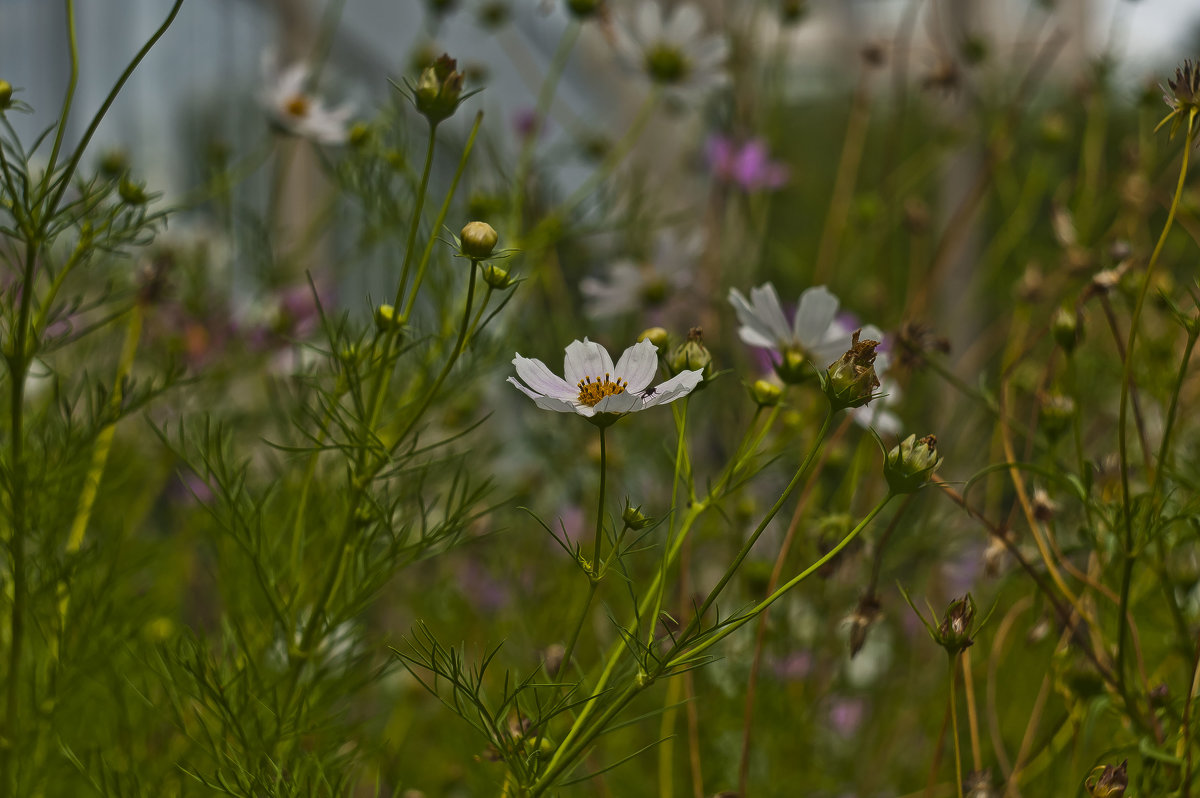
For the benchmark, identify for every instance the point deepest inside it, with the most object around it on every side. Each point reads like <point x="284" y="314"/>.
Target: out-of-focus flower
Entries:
<point x="296" y="110"/>
<point x="1106" y="781"/>
<point x="748" y="166"/>
<point x="814" y="337"/>
<point x="596" y="388"/>
<point x="630" y="286"/>
<point x="672" y="50"/>
<point x="1182" y="95"/>
<point x="846" y="715"/>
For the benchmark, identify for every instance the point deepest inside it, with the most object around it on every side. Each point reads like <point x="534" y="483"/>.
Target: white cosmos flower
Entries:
<point x="630" y="286"/>
<point x="672" y="50"/>
<point x="297" y="110"/>
<point x="595" y="387"/>
<point x="817" y="336"/>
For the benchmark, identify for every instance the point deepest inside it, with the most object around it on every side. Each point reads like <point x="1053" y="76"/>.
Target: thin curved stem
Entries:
<point x="1122" y="417"/>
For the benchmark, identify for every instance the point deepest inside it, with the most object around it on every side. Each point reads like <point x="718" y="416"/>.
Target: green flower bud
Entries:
<point x="439" y="89"/>
<point x="386" y="319"/>
<point x="634" y="519"/>
<point x="765" y="393"/>
<point x="584" y="9"/>
<point x="655" y="335"/>
<point x="792" y="11"/>
<point x="132" y="193"/>
<point x="359" y="134"/>
<point x="477" y="240"/>
<point x="691" y="355"/>
<point x="1066" y="329"/>
<point x="1107" y="781"/>
<point x="954" y="632"/>
<point x="908" y="465"/>
<point x="851" y="380"/>
<point x="794" y="368"/>
<point x="496" y="276"/>
<point x="114" y="163"/>
<point x="6" y="92"/>
<point x="1056" y="414"/>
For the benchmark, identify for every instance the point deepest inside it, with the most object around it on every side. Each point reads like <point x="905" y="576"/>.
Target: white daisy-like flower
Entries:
<point x="815" y="332"/>
<point x="673" y="50"/>
<point x="595" y="387"/>
<point x="631" y="286"/>
<point x="297" y="110"/>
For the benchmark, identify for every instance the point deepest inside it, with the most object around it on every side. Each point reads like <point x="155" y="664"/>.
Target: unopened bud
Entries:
<point x="851" y="381"/>
<point x="955" y="630"/>
<point x="691" y="355"/>
<point x="1107" y="781"/>
<point x="655" y="335"/>
<point x="1066" y="329"/>
<point x="386" y="319"/>
<point x="496" y="276"/>
<point x="6" y="91"/>
<point x="793" y="368"/>
<point x="765" y="393"/>
<point x="478" y="240"/>
<point x="909" y="464"/>
<point x="439" y="89"/>
<point x="864" y="617"/>
<point x="132" y="193"/>
<point x="792" y="11"/>
<point x="635" y="519"/>
<point x="1055" y="415"/>
<point x="359" y="134"/>
<point x="114" y="163"/>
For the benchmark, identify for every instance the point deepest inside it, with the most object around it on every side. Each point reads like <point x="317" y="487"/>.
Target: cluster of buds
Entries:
<point x="909" y="465"/>
<point x="439" y="89"/>
<point x="1107" y="781"/>
<point x="851" y="381"/>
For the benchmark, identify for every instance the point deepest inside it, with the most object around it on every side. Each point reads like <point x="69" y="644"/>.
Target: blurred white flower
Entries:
<point x="817" y="336"/>
<point x="595" y="386"/>
<point x="672" y="50"/>
<point x="294" y="108"/>
<point x="631" y="286"/>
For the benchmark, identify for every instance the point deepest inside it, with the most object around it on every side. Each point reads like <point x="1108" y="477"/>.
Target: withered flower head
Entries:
<point x="1182" y="95"/>
<point x="1107" y="781"/>
<point x="865" y="615"/>
<point x="850" y="381"/>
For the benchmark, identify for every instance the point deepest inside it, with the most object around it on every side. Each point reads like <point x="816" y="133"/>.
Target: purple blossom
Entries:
<point x="796" y="665"/>
<point x="846" y="715"/>
<point x="749" y="166"/>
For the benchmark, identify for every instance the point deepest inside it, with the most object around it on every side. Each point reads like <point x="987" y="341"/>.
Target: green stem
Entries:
<point x="438" y="222"/>
<point x="69" y="98"/>
<point x="696" y="621"/>
<point x="69" y="171"/>
<point x="680" y="451"/>
<point x="958" y="780"/>
<point x="19" y="358"/>
<point x="599" y="511"/>
<point x="422" y="189"/>
<point x="732" y="626"/>
<point x="1122" y="417"/>
<point x="545" y="97"/>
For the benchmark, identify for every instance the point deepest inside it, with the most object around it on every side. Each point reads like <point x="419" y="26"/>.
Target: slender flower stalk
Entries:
<point x="1123" y="412"/>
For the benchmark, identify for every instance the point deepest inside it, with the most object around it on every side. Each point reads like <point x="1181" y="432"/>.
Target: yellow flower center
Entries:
<point x="297" y="106"/>
<point x="592" y="391"/>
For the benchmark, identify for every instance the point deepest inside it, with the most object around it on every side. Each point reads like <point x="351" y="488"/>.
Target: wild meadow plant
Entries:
<point x="277" y="520"/>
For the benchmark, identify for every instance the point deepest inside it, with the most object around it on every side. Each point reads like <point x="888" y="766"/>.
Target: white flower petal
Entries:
<point x="681" y="384"/>
<point x="754" y="330"/>
<point x="649" y="21"/>
<point x="769" y="311"/>
<point x="816" y="312"/>
<point x="540" y="378"/>
<point x="637" y="366"/>
<point x="684" y="25"/>
<point x="586" y="359"/>
<point x="545" y="402"/>
<point x="618" y="403"/>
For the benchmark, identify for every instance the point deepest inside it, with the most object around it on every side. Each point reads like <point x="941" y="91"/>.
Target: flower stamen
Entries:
<point x="592" y="391"/>
<point x="297" y="106"/>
